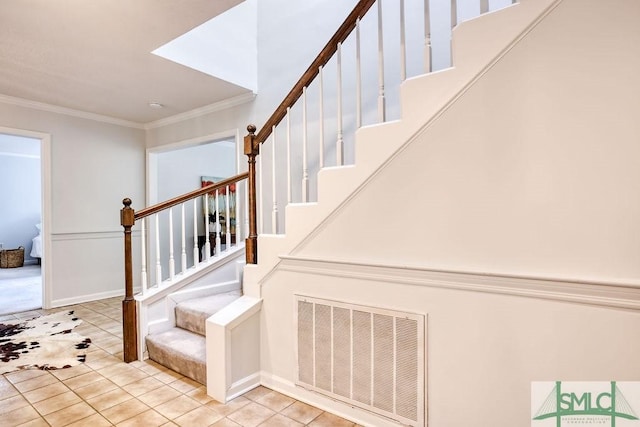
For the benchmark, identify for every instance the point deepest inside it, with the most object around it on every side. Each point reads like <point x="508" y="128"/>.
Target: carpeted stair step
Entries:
<point x="180" y="350"/>
<point x="192" y="314"/>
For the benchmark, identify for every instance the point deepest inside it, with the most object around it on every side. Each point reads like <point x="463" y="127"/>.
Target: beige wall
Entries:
<point x="93" y="165"/>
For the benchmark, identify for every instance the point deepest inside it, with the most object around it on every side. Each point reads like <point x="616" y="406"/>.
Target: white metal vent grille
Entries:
<point x="368" y="357"/>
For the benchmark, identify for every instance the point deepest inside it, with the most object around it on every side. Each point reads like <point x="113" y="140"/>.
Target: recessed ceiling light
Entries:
<point x="156" y="105"/>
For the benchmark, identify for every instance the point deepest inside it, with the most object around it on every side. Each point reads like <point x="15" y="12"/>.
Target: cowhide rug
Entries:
<point x="46" y="342"/>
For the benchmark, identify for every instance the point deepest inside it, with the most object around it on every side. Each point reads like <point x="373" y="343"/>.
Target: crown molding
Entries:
<point x="21" y="102"/>
<point x="211" y="108"/>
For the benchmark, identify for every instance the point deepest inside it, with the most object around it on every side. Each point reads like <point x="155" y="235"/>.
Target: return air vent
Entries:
<point x="367" y="357"/>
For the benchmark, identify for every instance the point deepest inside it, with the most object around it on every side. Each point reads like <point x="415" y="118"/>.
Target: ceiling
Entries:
<point x="95" y="56"/>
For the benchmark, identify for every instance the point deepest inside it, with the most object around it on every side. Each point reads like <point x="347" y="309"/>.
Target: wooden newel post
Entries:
<point x="129" y="315"/>
<point x="252" y="149"/>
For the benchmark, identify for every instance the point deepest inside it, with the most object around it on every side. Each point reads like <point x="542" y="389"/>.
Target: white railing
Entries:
<point x="206" y="230"/>
<point x="359" y="86"/>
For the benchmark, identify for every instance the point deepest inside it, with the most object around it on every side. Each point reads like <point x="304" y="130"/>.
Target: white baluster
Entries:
<point x="454" y="13"/>
<point x="305" y="166"/>
<point x="428" y="60"/>
<point x="484" y="6"/>
<point x="288" y="155"/>
<point x="259" y="197"/>
<point x="158" y="265"/>
<point x="172" y="264"/>
<point x="340" y="139"/>
<point x="274" y="195"/>
<point x="403" y="45"/>
<point x="196" y="251"/>
<point x="227" y="218"/>
<point x="321" y="120"/>
<point x="454" y="22"/>
<point x="217" y="225"/>
<point x="143" y="263"/>
<point x="183" y="250"/>
<point x="381" y="100"/>
<point x="246" y="208"/>
<point x="207" y="243"/>
<point x="358" y="78"/>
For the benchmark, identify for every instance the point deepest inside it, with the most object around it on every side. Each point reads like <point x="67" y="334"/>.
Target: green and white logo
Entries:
<point x="577" y="403"/>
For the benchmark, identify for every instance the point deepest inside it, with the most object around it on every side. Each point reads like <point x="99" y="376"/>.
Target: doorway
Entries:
<point x="24" y="218"/>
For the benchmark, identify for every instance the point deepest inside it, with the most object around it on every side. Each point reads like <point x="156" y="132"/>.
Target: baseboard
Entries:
<point x="86" y="298"/>
<point x="244" y="385"/>
<point x="351" y="413"/>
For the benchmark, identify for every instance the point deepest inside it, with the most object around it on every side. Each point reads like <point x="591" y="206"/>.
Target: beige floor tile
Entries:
<point x="200" y="395"/>
<point x="301" y="412"/>
<point x="113" y="349"/>
<point x="251" y="415"/>
<point x="6" y="388"/>
<point x="45" y="392"/>
<point x="159" y="395"/>
<point x="329" y="420"/>
<point x="170" y="424"/>
<point x="83" y="380"/>
<point x="95" y="420"/>
<point x="12" y="403"/>
<point x="177" y="407"/>
<point x="117" y="369"/>
<point x="257" y="393"/>
<point x="95" y="388"/>
<point x="109" y="399"/>
<point x="124" y="411"/>
<point x="201" y="416"/>
<point x="168" y="376"/>
<point x="35" y="383"/>
<point x="56" y="403"/>
<point x="128" y="378"/>
<point x="275" y="401"/>
<point x="230" y="407"/>
<point x="23" y="375"/>
<point x="19" y="416"/>
<point x="142" y="386"/>
<point x="102" y="362"/>
<point x="74" y="371"/>
<point x="279" y="420"/>
<point x="148" y="418"/>
<point x="69" y="414"/>
<point x="225" y="422"/>
<point x="151" y="367"/>
<point x="185" y="385"/>
<point x="38" y="422"/>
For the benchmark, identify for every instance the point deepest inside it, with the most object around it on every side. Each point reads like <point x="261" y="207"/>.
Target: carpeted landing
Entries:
<point x="183" y="348"/>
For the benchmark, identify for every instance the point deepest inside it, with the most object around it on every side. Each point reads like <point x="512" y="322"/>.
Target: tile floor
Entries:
<point x="105" y="391"/>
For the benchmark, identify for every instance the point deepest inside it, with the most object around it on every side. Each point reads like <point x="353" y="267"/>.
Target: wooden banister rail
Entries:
<point x="128" y="219"/>
<point x="252" y="141"/>
<point x="321" y="60"/>
<point x="142" y="213"/>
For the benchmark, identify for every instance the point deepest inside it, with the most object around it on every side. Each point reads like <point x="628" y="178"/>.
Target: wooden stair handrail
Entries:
<point x="142" y="213"/>
<point x="321" y="60"/>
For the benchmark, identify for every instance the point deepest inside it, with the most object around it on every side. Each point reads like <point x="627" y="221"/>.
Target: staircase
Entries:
<point x="183" y="348"/>
<point x="207" y="322"/>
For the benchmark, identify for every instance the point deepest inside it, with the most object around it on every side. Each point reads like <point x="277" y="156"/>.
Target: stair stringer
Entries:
<point x="477" y="45"/>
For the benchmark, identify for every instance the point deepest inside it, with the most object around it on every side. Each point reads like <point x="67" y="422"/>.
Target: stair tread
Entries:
<point x="192" y="314"/>
<point x="180" y="350"/>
